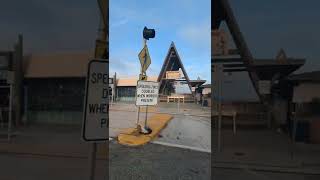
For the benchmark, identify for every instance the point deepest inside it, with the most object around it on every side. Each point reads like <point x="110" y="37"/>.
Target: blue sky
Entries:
<point x="185" y="22"/>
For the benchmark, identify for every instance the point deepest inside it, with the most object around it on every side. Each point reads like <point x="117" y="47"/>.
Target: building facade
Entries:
<point x="54" y="88"/>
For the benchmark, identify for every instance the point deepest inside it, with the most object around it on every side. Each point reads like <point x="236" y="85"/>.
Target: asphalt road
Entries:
<point x="149" y="162"/>
<point x="26" y="167"/>
<point x="157" y="162"/>
<point x="17" y="167"/>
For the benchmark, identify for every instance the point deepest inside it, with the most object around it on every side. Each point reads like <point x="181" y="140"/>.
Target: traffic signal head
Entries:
<point x="148" y="33"/>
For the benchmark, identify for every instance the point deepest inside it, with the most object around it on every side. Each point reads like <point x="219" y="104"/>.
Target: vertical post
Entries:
<point x="25" y="105"/>
<point x="112" y="99"/>
<point x="234" y="123"/>
<point x="10" y="113"/>
<point x="117" y="96"/>
<point x="115" y="87"/>
<point x="17" y="87"/>
<point x="219" y="78"/>
<point x="146" y="119"/>
<point x="293" y="130"/>
<point x="138" y="115"/>
<point x="1" y="118"/>
<point x="92" y="160"/>
<point x="219" y="123"/>
<point x="144" y="73"/>
<point x="178" y="104"/>
<point x="144" y="45"/>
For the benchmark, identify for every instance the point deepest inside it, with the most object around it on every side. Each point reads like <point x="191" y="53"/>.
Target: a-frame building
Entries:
<point x="172" y="62"/>
<point x="265" y="69"/>
<point x="223" y="12"/>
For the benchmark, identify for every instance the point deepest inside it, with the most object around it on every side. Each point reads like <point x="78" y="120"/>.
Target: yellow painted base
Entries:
<point x="132" y="137"/>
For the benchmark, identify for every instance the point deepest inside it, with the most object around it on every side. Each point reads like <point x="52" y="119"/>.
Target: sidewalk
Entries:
<point x="265" y="150"/>
<point x="53" y="141"/>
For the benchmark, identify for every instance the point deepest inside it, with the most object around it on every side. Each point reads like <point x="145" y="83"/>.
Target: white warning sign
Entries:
<point x="147" y="93"/>
<point x="96" y="122"/>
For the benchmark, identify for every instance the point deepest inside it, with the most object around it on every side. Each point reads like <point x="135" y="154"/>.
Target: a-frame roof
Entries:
<point x="223" y="12"/>
<point x="218" y="14"/>
<point x="165" y="67"/>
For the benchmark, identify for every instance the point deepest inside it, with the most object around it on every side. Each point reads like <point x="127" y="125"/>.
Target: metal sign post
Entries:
<point x="145" y="62"/>
<point x="218" y="73"/>
<point x="138" y="116"/>
<point x="146" y="118"/>
<point x="10" y="114"/>
<point x="92" y="160"/>
<point x="220" y="112"/>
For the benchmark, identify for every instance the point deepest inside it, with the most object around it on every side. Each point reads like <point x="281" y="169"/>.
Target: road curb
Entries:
<point x="264" y="168"/>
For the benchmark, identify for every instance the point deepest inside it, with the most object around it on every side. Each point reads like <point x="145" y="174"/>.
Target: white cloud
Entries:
<point x="198" y="35"/>
<point x="120" y="15"/>
<point x="123" y="68"/>
<point x="119" y="23"/>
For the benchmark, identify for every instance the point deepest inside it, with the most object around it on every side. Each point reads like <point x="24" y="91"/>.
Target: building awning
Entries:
<point x="197" y="83"/>
<point x="206" y="86"/>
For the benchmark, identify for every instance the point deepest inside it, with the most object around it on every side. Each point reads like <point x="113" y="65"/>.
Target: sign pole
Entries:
<point x="138" y="115"/>
<point x="218" y="74"/>
<point x="145" y="73"/>
<point x="145" y="62"/>
<point x="220" y="117"/>
<point x="178" y="105"/>
<point x="10" y="113"/>
<point x="92" y="160"/>
<point x="145" y="122"/>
